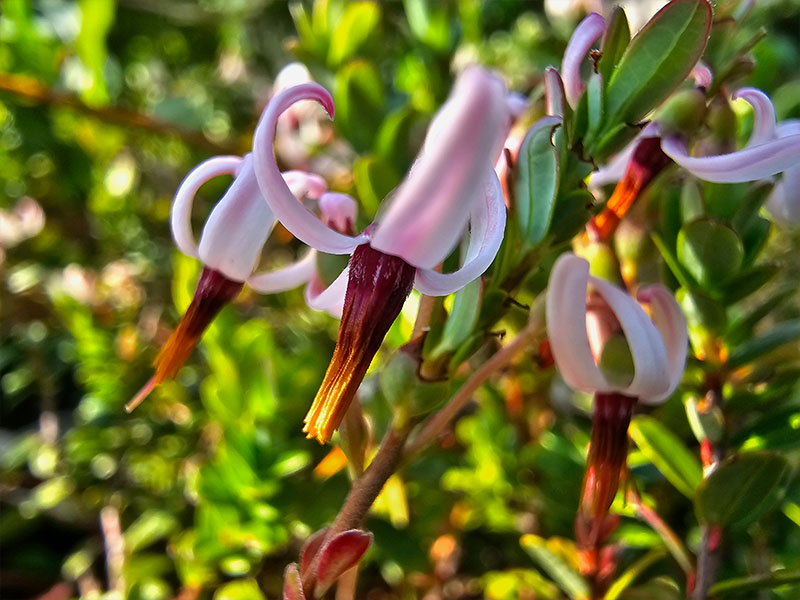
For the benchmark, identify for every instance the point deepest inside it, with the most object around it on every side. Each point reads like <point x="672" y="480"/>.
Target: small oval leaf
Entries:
<point x="741" y="489"/>
<point x="337" y="556"/>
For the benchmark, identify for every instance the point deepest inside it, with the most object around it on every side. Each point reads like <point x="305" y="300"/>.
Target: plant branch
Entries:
<point x="435" y="424"/>
<point x="30" y="89"/>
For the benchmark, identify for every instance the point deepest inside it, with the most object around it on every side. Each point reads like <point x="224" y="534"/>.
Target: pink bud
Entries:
<point x="292" y="585"/>
<point x="339" y="555"/>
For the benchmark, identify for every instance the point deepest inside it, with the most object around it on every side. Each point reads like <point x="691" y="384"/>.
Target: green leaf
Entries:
<point x="750" y="583"/>
<point x="557" y="568"/>
<point x="374" y="179"/>
<point x="360" y="101"/>
<point x="429" y="23"/>
<point x="357" y="24"/>
<point x="742" y="328"/>
<point x="96" y="19"/>
<point x="616" y="39"/>
<point x="462" y="319"/>
<point x="242" y="589"/>
<point x="537" y="182"/>
<point x="741" y="489"/>
<point x="150" y="527"/>
<point x="658" y="59"/>
<point x="668" y="453"/>
<point x="710" y="251"/>
<point x="747" y="282"/>
<point x="747" y="352"/>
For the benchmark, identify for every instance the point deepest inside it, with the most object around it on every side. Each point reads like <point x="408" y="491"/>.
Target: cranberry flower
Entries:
<point x="452" y="187"/>
<point x="603" y="342"/>
<point x="230" y="248"/>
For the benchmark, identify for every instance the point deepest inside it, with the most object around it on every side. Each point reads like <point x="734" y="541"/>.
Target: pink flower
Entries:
<point x="451" y="189"/>
<point x="580" y="324"/>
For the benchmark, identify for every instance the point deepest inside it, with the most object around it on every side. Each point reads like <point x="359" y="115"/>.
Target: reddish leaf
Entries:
<point x="310" y="549"/>
<point x="340" y="554"/>
<point x="292" y="584"/>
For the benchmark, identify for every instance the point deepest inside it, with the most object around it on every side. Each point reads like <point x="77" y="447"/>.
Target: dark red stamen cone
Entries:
<point x="608" y="453"/>
<point x="378" y="286"/>
<point x="213" y="291"/>
<point x="647" y="161"/>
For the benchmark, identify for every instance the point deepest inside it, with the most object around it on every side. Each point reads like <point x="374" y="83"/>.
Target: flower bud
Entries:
<point x="683" y="114"/>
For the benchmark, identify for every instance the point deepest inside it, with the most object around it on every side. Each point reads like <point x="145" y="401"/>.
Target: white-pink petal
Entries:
<point x="237" y="228"/>
<point x="748" y="164"/>
<point x="338" y="211"/>
<point x="566" y="325"/>
<point x="286" y="278"/>
<point x="331" y="298"/>
<point x="181" y="217"/>
<point x="615" y="169"/>
<point x="487" y="226"/>
<point x="764" y="120"/>
<point x="670" y="321"/>
<point x="430" y="209"/>
<point x="651" y="376"/>
<point x="303" y="184"/>
<point x="586" y="34"/>
<point x="301" y="222"/>
<point x="702" y="75"/>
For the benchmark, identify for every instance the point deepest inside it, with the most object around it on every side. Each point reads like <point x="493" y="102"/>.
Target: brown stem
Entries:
<point x="363" y="493"/>
<point x="33" y="91"/>
<point x="435" y="424"/>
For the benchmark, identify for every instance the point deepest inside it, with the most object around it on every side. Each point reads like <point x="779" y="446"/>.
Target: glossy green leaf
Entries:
<point x="357" y="24"/>
<point x="751" y="583"/>
<point x="374" y="179"/>
<point x="567" y="578"/>
<point x="615" y="41"/>
<point x="658" y="60"/>
<point x="741" y="489"/>
<point x="748" y="351"/>
<point x="462" y="319"/>
<point x="710" y="251"/>
<point x="537" y="183"/>
<point x="748" y="281"/>
<point x="668" y="453"/>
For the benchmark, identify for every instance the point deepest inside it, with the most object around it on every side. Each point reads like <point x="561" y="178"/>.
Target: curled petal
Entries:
<point x="487" y="226"/>
<point x="287" y="278"/>
<point x="431" y="207"/>
<point x="303" y="184"/>
<point x="702" y="75"/>
<point x="586" y="34"/>
<point x="293" y="215"/>
<point x="566" y="325"/>
<point x="553" y="92"/>
<point x="339" y="211"/>
<point x="748" y="164"/>
<point x="237" y="228"/>
<point x="651" y="374"/>
<point x="671" y="324"/>
<point x="764" y="121"/>
<point x="783" y="203"/>
<point x="331" y="298"/>
<point x="181" y="219"/>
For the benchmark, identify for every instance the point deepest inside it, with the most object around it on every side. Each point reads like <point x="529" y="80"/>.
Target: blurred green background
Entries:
<point x="209" y="488"/>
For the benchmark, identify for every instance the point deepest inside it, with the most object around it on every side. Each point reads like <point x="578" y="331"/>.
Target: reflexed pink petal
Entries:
<point x="748" y="164"/>
<point x="764" y="121"/>
<point x="430" y="209"/>
<point x="783" y="203"/>
<point x="702" y="75"/>
<point x="293" y="215"/>
<point x="339" y="211"/>
<point x="237" y="228"/>
<point x="566" y="325"/>
<point x="553" y="92"/>
<point x="671" y="324"/>
<point x="287" y="278"/>
<point x="487" y="226"/>
<point x="651" y="373"/>
<point x="331" y="298"/>
<point x="181" y="220"/>
<point x="303" y="184"/>
<point x="338" y="555"/>
<point x="292" y="586"/>
<point x="586" y="34"/>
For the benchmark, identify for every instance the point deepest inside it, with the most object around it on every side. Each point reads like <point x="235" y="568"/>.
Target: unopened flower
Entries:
<point x="451" y="186"/>
<point x="604" y="343"/>
<point x="230" y="247"/>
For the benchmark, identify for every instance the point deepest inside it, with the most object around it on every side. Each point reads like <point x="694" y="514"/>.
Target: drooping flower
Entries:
<point x="604" y="343"/>
<point x="230" y="247"/>
<point x="451" y="186"/>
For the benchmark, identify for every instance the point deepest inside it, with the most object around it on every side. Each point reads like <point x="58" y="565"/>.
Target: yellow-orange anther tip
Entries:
<point x="141" y="395"/>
